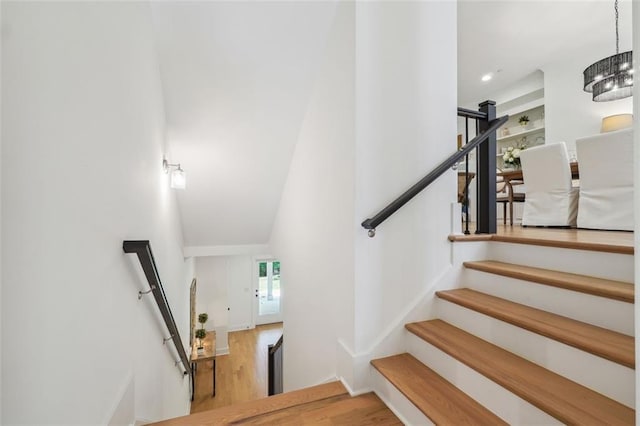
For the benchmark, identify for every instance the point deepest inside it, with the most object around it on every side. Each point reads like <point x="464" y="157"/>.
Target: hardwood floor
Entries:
<point x="241" y="375"/>
<point x="583" y="239"/>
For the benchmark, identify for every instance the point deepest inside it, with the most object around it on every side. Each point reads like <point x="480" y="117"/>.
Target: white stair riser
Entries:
<point x="612" y="266"/>
<point x="604" y="376"/>
<point x="601" y="311"/>
<point x="404" y="409"/>
<point x="506" y="405"/>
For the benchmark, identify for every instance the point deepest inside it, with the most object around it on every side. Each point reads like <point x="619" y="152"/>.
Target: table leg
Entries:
<point x="504" y="213"/>
<point x="511" y="212"/>
<point x="214" y="377"/>
<point x="510" y="202"/>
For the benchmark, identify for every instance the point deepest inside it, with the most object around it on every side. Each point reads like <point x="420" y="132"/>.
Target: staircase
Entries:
<point x="526" y="339"/>
<point x="540" y="334"/>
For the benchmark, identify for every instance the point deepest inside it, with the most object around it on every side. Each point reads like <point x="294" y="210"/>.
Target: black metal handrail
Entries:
<point x="275" y="368"/>
<point x="145" y="256"/>
<point x="403" y="199"/>
<point x="471" y="113"/>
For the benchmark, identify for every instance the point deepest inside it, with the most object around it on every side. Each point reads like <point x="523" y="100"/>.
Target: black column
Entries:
<point x="486" y="175"/>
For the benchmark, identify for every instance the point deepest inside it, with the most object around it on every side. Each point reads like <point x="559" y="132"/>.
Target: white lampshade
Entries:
<point x="616" y="122"/>
<point x="178" y="179"/>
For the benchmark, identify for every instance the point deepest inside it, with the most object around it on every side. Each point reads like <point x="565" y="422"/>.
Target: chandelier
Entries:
<point x="610" y="78"/>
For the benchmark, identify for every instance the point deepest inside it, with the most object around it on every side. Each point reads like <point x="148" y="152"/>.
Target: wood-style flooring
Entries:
<point x="581" y="239"/>
<point x="241" y="375"/>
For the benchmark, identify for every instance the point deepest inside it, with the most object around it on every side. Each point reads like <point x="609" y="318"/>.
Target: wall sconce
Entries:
<point x="616" y="122"/>
<point x="178" y="176"/>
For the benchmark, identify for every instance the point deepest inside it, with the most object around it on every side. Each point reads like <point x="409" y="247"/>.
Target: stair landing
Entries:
<point x="328" y="404"/>
<point x="581" y="239"/>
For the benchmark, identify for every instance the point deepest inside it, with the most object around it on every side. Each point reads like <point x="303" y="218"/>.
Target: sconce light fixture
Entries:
<point x="178" y="176"/>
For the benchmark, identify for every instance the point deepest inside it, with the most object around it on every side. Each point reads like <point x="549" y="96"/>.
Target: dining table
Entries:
<point x="513" y="177"/>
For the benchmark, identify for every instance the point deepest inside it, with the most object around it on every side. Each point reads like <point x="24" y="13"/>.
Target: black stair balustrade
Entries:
<point x="275" y="368"/>
<point x="485" y="143"/>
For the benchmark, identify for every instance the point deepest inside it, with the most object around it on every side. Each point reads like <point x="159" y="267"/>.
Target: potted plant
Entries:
<point x="524" y="120"/>
<point x="201" y="333"/>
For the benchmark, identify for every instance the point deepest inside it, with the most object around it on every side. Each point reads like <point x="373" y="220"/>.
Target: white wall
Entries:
<point x="406" y="125"/>
<point x="0" y="231"/>
<point x="313" y="232"/>
<point x="82" y="143"/>
<point x="225" y="292"/>
<point x="636" y="181"/>
<point x="211" y="297"/>
<point x="354" y="155"/>
<point x="569" y="111"/>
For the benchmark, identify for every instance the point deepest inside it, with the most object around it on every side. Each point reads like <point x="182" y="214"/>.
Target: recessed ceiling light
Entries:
<point x="487" y="77"/>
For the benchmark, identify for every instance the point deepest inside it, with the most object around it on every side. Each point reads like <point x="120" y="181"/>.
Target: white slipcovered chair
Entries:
<point x="551" y="199"/>
<point x="606" y="181"/>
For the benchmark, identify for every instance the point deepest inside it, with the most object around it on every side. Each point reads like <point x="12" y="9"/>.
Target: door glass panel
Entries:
<point x="269" y="288"/>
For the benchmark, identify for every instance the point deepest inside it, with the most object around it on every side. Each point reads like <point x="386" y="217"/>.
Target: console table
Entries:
<point x="209" y="354"/>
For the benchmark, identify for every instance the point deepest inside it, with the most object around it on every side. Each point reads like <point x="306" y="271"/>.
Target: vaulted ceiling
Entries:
<point x="237" y="77"/>
<point x="236" y="80"/>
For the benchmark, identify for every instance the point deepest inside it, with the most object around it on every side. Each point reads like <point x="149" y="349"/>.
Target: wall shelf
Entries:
<point x="521" y="133"/>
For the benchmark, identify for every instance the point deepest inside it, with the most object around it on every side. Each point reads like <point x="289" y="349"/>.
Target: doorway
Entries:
<point x="267" y="292"/>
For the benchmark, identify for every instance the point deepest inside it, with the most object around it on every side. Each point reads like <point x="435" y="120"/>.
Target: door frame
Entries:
<point x="265" y="319"/>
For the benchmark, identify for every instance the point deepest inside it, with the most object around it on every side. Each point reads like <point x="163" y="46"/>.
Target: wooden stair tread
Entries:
<point x="438" y="399"/>
<point x="567" y="401"/>
<point x="579" y="239"/>
<point x="614" y="346"/>
<point x="611" y="289"/>
<point x="245" y="410"/>
<point x="364" y="409"/>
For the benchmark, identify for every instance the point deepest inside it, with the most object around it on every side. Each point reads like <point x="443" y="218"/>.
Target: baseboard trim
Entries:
<point x="351" y="391"/>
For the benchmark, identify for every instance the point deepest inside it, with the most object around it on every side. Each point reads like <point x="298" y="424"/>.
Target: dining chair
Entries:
<point x="503" y="190"/>
<point x="606" y="181"/>
<point x="551" y="199"/>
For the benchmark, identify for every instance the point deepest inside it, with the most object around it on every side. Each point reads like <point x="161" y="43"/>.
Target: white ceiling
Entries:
<point x="236" y="81"/>
<point x="520" y="37"/>
<point x="237" y="77"/>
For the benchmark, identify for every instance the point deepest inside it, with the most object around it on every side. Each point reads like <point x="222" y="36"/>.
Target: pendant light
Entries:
<point x="611" y="78"/>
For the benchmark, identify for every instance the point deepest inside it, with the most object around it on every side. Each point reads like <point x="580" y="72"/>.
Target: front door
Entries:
<point x="268" y="298"/>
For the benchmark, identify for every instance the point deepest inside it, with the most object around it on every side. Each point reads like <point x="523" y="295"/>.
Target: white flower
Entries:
<point x="511" y="159"/>
<point x="510" y="149"/>
<point x="516" y="153"/>
<point x="505" y="157"/>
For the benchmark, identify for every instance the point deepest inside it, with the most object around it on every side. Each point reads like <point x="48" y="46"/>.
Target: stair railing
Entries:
<point x="143" y="250"/>
<point x="275" y="368"/>
<point x="485" y="143"/>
